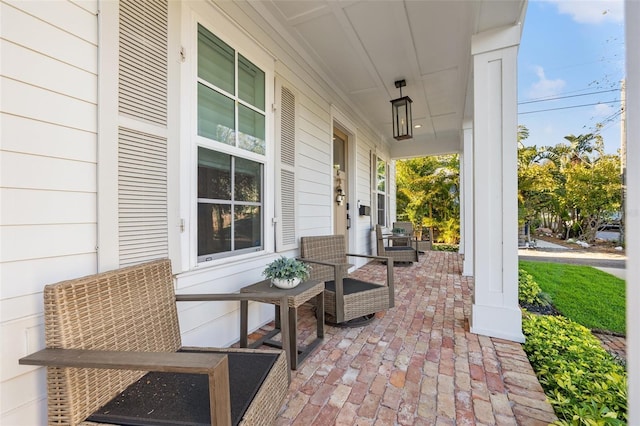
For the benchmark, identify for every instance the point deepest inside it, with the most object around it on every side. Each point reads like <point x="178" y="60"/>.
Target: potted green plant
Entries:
<point x="286" y="272"/>
<point x="398" y="232"/>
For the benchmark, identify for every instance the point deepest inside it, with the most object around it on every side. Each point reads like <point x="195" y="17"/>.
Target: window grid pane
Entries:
<point x="382" y="175"/>
<point x="382" y="216"/>
<point x="216" y="61"/>
<point x="214" y="229"/>
<point x="247" y="180"/>
<point x="251" y="130"/>
<point x="216" y="116"/>
<point x="250" y="83"/>
<point x="247" y="230"/>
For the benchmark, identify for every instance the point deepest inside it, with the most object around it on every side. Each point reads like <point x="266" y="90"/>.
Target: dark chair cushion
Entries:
<point x="351" y="286"/>
<point x="183" y="399"/>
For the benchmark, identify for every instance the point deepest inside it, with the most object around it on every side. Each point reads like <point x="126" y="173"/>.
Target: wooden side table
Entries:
<point x="295" y="297"/>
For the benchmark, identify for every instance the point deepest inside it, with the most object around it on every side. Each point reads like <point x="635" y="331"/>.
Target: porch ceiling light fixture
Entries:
<point x="401" y="114"/>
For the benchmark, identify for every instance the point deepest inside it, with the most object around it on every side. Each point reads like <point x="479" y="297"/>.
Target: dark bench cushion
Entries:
<point x="183" y="399"/>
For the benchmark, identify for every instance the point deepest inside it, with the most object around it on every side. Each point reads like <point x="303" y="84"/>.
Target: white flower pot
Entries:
<point x="285" y="283"/>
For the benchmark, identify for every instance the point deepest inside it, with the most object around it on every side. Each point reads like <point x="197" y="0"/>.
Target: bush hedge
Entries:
<point x="582" y="381"/>
<point x="529" y="292"/>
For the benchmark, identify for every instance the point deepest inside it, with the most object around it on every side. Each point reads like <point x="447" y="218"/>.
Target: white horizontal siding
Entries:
<point x="28" y="136"/>
<point x="18" y="408"/>
<point x="26" y="66"/>
<point x="39" y="241"/>
<point x="41" y="36"/>
<point x="28" y="277"/>
<point x="90" y="6"/>
<point x="37" y="207"/>
<point x="65" y="15"/>
<point x="36" y="172"/>
<point x="29" y="332"/>
<point x="48" y="73"/>
<point x="40" y="104"/>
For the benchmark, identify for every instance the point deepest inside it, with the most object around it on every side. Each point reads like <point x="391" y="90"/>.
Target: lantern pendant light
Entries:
<point x="401" y="114"/>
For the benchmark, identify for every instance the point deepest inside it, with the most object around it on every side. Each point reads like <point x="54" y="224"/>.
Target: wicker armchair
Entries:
<point x="104" y="332"/>
<point x="345" y="298"/>
<point x="397" y="253"/>
<point x="407" y="227"/>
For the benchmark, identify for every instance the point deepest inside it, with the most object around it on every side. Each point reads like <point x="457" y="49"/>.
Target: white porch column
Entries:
<point x="495" y="310"/>
<point x="632" y="226"/>
<point x="466" y="199"/>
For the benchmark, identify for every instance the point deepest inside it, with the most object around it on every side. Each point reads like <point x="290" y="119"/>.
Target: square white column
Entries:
<point x="466" y="200"/>
<point x="632" y="216"/>
<point x="495" y="311"/>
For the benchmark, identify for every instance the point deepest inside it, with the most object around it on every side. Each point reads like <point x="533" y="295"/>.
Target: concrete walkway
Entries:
<point x="416" y="364"/>
<point x="611" y="263"/>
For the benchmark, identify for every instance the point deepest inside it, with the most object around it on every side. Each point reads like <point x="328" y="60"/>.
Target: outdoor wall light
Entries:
<point x="340" y="195"/>
<point x="401" y="114"/>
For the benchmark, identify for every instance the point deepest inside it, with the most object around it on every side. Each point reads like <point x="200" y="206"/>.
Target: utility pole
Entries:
<point x="623" y="154"/>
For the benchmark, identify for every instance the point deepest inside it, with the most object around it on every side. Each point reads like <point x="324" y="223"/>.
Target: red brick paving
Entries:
<point x="615" y="345"/>
<point x="415" y="364"/>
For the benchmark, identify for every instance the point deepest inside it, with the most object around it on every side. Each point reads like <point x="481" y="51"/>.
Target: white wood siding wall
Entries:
<point x="48" y="178"/>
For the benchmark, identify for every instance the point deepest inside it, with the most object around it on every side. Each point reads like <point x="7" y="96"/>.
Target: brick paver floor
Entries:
<point x="615" y="345"/>
<point x="415" y="364"/>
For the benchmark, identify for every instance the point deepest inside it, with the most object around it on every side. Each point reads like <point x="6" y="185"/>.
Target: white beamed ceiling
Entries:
<point x="364" y="46"/>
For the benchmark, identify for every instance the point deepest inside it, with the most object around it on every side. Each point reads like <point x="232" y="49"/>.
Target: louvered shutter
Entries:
<point x="142" y="149"/>
<point x="286" y="131"/>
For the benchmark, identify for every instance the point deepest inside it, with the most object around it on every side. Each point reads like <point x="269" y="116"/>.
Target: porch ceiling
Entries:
<point x="362" y="47"/>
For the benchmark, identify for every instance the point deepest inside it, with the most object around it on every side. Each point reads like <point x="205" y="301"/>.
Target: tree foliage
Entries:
<point x="571" y="188"/>
<point x="428" y="194"/>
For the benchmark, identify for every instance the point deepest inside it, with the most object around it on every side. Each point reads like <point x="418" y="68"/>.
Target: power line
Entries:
<point x="566" y="97"/>
<point x="569" y="107"/>
<point x="571" y="91"/>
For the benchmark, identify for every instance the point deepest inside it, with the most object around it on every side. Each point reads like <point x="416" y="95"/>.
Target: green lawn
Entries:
<point x="583" y="294"/>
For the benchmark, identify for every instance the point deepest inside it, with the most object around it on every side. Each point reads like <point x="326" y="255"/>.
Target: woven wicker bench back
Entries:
<point x="327" y="248"/>
<point x="129" y="309"/>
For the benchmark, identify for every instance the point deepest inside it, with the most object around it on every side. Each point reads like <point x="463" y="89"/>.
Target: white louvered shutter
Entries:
<point x="142" y="154"/>
<point x="286" y="131"/>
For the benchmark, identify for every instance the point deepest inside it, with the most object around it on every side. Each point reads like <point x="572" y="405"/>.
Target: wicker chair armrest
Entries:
<point x="221" y="297"/>
<point x="214" y="365"/>
<point x="176" y="362"/>
<point x="368" y="256"/>
<point x="345" y="265"/>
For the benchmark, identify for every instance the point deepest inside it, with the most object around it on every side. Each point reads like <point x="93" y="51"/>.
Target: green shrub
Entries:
<point x="445" y="247"/>
<point x="582" y="381"/>
<point x="529" y="292"/>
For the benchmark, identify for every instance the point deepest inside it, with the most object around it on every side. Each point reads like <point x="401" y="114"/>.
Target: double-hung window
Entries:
<point x="231" y="146"/>
<point x="381" y="191"/>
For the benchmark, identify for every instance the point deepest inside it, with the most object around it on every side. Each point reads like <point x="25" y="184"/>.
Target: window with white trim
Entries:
<point x="231" y="147"/>
<point x="381" y="191"/>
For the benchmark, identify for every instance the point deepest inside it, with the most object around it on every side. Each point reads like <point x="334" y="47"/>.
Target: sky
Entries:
<point x="574" y="50"/>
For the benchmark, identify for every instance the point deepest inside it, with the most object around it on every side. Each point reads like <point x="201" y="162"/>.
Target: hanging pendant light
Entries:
<point x="401" y="114"/>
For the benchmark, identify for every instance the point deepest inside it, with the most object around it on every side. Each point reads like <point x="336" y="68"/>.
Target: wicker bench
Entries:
<point x="114" y="355"/>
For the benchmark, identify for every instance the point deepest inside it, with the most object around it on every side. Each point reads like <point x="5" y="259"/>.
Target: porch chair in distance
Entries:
<point x="407" y="228"/>
<point x="345" y="299"/>
<point x="104" y="332"/>
<point x="400" y="253"/>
